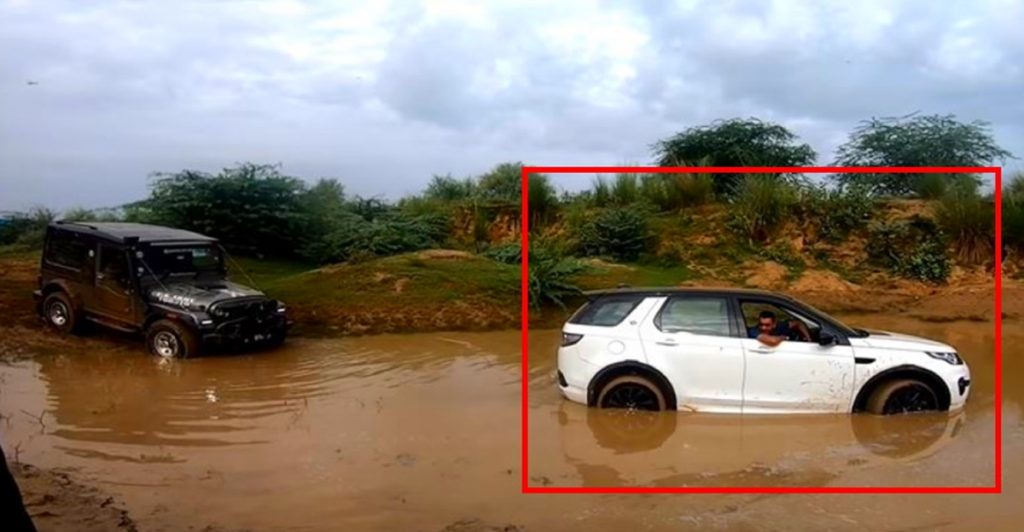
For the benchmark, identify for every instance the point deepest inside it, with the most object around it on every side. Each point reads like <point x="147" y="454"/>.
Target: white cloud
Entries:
<point x="384" y="94"/>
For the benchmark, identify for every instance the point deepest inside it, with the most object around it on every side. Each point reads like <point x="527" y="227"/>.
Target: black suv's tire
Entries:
<point x="60" y="313"/>
<point x="632" y="392"/>
<point x="169" y="339"/>
<point x="901" y="396"/>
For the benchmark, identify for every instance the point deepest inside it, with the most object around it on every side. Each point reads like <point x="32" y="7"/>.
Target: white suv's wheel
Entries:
<point x="902" y="396"/>
<point x="631" y="392"/>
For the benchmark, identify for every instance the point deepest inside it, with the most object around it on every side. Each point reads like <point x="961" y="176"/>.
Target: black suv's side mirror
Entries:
<point x="826" y="339"/>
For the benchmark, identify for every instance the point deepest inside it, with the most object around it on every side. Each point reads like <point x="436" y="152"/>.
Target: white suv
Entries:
<point x="701" y="350"/>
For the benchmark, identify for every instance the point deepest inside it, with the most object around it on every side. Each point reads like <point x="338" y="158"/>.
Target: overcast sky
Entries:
<point x="382" y="95"/>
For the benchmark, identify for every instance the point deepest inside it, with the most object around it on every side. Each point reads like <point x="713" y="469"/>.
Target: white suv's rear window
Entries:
<point x="606" y="312"/>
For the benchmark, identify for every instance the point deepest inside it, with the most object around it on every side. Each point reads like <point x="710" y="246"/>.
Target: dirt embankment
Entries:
<point x="443" y="290"/>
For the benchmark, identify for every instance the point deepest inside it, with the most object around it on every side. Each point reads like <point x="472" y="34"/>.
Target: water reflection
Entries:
<point x="124" y="398"/>
<point x="609" y="447"/>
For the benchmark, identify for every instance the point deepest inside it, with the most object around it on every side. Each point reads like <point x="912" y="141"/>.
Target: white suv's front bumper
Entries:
<point x="959" y="384"/>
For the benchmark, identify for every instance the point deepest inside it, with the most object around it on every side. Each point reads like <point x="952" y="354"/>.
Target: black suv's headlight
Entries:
<point x="950" y="357"/>
<point x="281" y="308"/>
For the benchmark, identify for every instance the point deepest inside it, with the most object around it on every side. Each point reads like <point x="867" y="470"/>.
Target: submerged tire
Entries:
<point x="169" y="339"/>
<point x="632" y="392"/>
<point x="901" y="396"/>
<point x="60" y="313"/>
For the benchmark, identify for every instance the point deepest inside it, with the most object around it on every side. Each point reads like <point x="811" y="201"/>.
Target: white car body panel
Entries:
<point x="732" y="374"/>
<point x="797" y="377"/>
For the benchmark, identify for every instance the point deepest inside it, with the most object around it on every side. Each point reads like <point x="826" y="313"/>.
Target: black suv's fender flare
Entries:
<point x="60" y="285"/>
<point x="631" y="367"/>
<point x="907" y="371"/>
<point x="157" y="313"/>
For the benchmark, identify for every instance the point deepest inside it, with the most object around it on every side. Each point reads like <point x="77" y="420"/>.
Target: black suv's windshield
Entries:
<point x="172" y="259"/>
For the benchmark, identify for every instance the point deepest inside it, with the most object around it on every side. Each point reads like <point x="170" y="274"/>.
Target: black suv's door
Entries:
<point x="113" y="294"/>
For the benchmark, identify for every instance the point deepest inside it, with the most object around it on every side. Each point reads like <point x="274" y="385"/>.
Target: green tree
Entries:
<point x="252" y="208"/>
<point x="734" y="142"/>
<point x="503" y="182"/>
<point x="447" y="188"/>
<point x="926" y="140"/>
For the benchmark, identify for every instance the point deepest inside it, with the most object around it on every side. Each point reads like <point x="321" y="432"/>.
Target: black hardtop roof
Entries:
<point x="122" y="231"/>
<point x="658" y="291"/>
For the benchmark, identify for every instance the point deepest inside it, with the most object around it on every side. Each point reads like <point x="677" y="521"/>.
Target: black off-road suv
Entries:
<point x="168" y="284"/>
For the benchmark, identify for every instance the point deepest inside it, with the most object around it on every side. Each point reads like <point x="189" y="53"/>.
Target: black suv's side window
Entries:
<point x="64" y="249"/>
<point x="113" y="264"/>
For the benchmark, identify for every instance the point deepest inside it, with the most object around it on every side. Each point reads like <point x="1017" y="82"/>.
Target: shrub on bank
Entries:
<point x="760" y="205"/>
<point x="672" y="192"/>
<point x="915" y="249"/>
<point x="969" y="221"/>
<point x="1013" y="214"/>
<point x="835" y="212"/>
<point x="552" y="276"/>
<point x="618" y="232"/>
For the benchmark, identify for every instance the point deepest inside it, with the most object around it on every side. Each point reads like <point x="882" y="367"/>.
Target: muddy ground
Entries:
<point x="421" y="432"/>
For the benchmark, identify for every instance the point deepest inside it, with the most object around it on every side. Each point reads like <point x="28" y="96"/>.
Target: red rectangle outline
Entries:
<point x="998" y="315"/>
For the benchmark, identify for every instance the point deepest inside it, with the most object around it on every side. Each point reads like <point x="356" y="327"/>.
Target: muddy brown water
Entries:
<point x="422" y="432"/>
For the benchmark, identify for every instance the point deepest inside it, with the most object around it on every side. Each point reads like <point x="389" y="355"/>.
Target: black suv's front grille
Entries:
<point x="247" y="308"/>
<point x="246" y="319"/>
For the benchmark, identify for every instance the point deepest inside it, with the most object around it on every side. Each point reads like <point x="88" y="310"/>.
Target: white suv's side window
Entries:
<point x="606" y="312"/>
<point x="697" y="315"/>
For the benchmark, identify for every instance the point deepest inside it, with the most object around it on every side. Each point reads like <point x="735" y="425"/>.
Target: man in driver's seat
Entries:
<point x="770" y="332"/>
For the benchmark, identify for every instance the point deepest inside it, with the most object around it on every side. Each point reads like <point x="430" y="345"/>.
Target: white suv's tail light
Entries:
<point x="570" y="339"/>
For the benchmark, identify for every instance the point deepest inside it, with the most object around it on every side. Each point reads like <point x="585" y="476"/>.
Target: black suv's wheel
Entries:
<point x="169" y="339"/>
<point x="60" y="312"/>
<point x="902" y="396"/>
<point x="631" y="392"/>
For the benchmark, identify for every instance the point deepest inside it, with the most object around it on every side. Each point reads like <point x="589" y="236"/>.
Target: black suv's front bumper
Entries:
<point x="248" y="330"/>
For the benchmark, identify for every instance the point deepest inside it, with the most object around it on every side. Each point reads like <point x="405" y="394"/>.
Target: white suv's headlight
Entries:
<point x="950" y="357"/>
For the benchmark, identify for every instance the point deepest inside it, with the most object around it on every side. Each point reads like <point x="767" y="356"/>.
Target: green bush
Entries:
<point x="1013" y="214"/>
<point x="552" y="278"/>
<point x="625" y="189"/>
<point x="354" y="238"/>
<point x="670" y="192"/>
<point x="760" y="205"/>
<point x="969" y="220"/>
<point x="618" y="232"/>
<point x="836" y="212"/>
<point x="506" y="254"/>
<point x="937" y="186"/>
<point x="602" y="194"/>
<point x="915" y="249"/>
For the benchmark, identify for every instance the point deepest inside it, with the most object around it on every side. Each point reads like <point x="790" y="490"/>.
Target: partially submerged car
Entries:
<point x="169" y="284"/>
<point x="701" y="350"/>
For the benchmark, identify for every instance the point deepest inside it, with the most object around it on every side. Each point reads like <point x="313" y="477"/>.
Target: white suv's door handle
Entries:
<point x="669" y="342"/>
<point x="764" y="350"/>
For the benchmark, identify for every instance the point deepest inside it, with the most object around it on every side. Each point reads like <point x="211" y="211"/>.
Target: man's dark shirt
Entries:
<point x="781" y="329"/>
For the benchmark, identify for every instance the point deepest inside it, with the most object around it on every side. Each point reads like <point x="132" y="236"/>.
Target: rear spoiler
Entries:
<point x="622" y="288"/>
